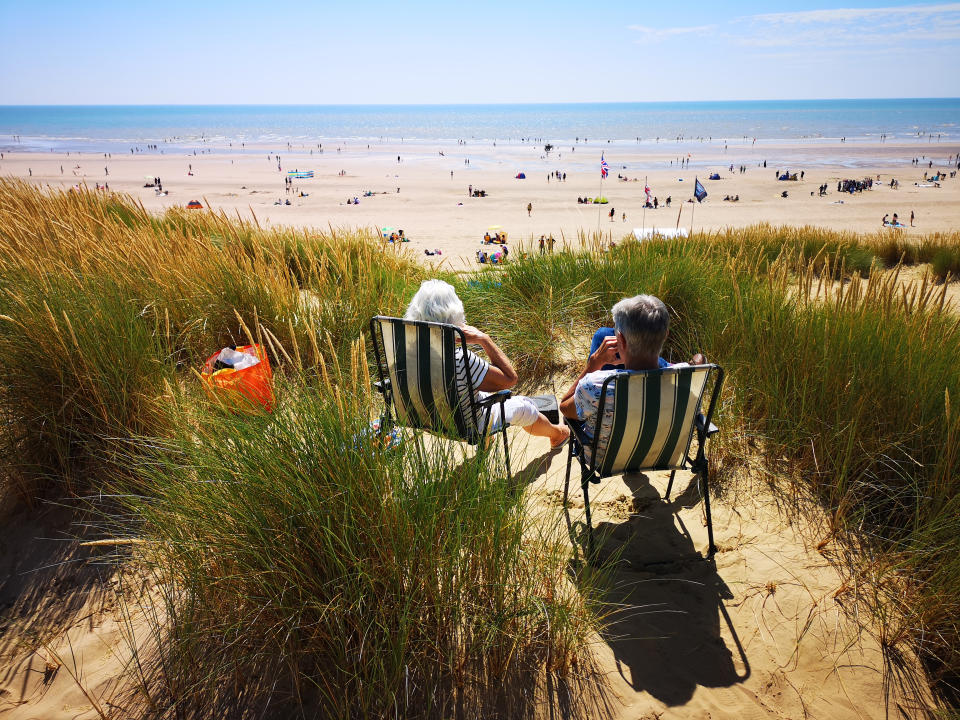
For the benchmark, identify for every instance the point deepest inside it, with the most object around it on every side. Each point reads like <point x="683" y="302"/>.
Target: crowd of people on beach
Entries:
<point x="852" y="186"/>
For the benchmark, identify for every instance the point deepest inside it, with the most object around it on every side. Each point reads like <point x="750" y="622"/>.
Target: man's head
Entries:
<point x="643" y="321"/>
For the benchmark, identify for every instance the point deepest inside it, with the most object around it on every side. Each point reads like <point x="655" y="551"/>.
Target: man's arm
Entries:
<point x="605" y="355"/>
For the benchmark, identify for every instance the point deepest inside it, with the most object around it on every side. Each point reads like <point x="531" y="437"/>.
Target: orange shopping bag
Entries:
<point x="240" y="377"/>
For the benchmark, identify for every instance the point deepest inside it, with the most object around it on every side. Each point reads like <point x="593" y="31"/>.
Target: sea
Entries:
<point x="235" y="128"/>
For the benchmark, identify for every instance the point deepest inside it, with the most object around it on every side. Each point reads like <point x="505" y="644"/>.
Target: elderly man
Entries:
<point x="641" y="325"/>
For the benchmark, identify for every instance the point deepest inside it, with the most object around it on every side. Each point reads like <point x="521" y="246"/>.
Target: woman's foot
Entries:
<point x="561" y="437"/>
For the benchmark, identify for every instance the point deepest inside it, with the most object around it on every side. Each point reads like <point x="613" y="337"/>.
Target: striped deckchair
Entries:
<point x="418" y="368"/>
<point x="654" y="416"/>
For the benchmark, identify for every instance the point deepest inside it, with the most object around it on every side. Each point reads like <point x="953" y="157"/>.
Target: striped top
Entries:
<point x="647" y="418"/>
<point x="478" y="368"/>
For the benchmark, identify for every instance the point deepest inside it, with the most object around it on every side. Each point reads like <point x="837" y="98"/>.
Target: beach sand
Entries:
<point x="770" y="631"/>
<point x="426" y="192"/>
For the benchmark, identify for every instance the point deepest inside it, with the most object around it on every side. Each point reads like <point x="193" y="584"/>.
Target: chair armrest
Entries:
<point x="705" y="432"/>
<point x="492" y="398"/>
<point x="576" y="431"/>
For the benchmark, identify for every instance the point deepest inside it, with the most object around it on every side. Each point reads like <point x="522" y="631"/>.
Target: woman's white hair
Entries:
<point x="436" y="301"/>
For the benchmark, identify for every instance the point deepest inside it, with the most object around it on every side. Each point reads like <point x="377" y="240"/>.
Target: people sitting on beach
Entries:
<point x="437" y="301"/>
<point x="486" y="238"/>
<point x="634" y="344"/>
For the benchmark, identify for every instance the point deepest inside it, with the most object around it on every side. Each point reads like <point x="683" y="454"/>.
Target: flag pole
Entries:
<point x="599" y="211"/>
<point x="643" y="222"/>
<point x="678" y="215"/>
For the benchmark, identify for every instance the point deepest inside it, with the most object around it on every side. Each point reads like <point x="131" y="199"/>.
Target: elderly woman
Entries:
<point x="437" y="301"/>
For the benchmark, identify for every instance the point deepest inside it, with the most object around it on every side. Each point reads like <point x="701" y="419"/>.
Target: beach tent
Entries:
<point x="194" y="205"/>
<point x="521" y="176"/>
<point x="300" y="174"/>
<point x="665" y="233"/>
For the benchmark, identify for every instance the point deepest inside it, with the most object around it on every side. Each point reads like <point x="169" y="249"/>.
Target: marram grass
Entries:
<point x="302" y="566"/>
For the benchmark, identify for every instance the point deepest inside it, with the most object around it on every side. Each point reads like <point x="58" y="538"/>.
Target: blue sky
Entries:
<point x="377" y="51"/>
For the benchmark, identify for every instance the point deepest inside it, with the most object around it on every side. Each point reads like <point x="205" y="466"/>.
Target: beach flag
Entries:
<point x="646" y="189"/>
<point x="699" y="191"/>
<point x="604" y="168"/>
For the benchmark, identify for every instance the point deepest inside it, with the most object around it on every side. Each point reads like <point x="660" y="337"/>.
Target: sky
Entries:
<point x="494" y="51"/>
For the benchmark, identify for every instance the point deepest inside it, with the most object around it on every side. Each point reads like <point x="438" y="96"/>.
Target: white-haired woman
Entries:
<point x="437" y="301"/>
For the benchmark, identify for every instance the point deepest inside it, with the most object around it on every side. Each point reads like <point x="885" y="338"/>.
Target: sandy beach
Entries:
<point x="423" y="188"/>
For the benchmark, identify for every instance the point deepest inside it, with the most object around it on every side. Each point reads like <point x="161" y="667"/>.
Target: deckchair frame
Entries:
<point x="702" y="428"/>
<point x="476" y="416"/>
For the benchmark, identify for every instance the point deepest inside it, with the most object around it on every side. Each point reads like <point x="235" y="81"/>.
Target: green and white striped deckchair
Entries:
<point x="425" y="381"/>
<point x="654" y="416"/>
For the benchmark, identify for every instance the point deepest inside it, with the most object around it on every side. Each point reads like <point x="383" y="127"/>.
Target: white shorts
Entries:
<point x="520" y="411"/>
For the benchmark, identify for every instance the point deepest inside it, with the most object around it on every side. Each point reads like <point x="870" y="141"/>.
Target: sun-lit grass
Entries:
<point x="845" y="383"/>
<point x="103" y="303"/>
<point x="300" y="567"/>
<point x="301" y="564"/>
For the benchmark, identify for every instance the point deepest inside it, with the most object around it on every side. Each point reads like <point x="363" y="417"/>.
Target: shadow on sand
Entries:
<point x="666" y="600"/>
<point x="47" y="583"/>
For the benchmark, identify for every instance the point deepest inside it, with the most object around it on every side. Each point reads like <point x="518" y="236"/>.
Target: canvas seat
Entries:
<point x="654" y="416"/>
<point x="419" y="364"/>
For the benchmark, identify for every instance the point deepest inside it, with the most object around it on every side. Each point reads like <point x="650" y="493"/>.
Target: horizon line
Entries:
<point x="476" y="104"/>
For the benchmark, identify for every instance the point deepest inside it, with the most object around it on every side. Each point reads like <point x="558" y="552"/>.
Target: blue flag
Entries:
<point x="699" y="191"/>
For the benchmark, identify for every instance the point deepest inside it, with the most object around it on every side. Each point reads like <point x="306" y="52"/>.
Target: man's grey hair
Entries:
<point x="436" y="301"/>
<point x="643" y="320"/>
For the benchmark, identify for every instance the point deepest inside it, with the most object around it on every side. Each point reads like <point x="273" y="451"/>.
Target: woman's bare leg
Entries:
<point x="541" y="427"/>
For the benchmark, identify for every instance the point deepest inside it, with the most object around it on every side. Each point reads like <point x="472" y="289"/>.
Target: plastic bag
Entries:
<point x="240" y="378"/>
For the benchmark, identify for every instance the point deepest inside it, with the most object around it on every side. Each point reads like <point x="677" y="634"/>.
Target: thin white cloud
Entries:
<point x="834" y="28"/>
<point x="848" y="15"/>
<point x="649" y="33"/>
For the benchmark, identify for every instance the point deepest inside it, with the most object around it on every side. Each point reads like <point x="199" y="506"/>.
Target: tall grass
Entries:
<point x="845" y="385"/>
<point x="307" y="568"/>
<point x="301" y="564"/>
<point x="103" y="304"/>
<point x="301" y="567"/>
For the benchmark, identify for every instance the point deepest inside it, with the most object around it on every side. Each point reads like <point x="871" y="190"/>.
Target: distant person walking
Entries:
<point x="911" y="218"/>
<point x="529" y="209"/>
